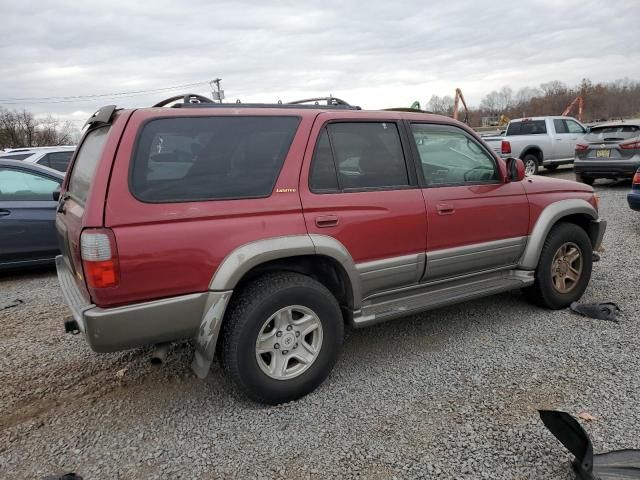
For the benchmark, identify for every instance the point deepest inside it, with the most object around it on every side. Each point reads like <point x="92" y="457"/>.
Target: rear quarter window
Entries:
<point x="210" y="158"/>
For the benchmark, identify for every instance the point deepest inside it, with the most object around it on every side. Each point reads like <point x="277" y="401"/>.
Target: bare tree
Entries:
<point x="440" y="105"/>
<point x="23" y="129"/>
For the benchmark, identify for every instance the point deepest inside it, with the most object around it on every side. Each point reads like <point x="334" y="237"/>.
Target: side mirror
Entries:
<point x="515" y="169"/>
<point x="56" y="194"/>
<point x="587" y="129"/>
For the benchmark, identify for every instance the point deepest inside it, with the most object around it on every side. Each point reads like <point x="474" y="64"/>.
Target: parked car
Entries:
<point x="27" y="214"/>
<point x="260" y="230"/>
<point x="57" y="157"/>
<point x="634" y="195"/>
<point x="608" y="151"/>
<point x="539" y="141"/>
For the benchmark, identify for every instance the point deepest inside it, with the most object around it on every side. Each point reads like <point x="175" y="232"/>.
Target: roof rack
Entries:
<point x="192" y="100"/>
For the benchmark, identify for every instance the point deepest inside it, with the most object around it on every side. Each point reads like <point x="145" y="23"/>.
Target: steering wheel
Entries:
<point x="188" y="98"/>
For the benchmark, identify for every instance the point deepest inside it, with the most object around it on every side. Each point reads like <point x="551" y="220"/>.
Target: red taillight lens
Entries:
<point x="99" y="257"/>
<point x="630" y="146"/>
<point x="505" y="147"/>
<point x="581" y="147"/>
<point x="636" y="178"/>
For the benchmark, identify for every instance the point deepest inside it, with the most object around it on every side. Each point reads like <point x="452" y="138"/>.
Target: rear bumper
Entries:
<point x="634" y="200"/>
<point x="131" y="326"/>
<point x="606" y="168"/>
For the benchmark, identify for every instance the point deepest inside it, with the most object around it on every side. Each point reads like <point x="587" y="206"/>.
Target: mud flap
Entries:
<point x="618" y="465"/>
<point x="207" y="338"/>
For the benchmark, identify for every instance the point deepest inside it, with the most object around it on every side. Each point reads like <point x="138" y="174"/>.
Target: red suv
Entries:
<point x="260" y="230"/>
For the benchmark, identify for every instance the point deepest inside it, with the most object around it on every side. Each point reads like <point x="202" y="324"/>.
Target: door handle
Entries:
<point x="325" y="221"/>
<point x="4" y="213"/>
<point x="445" y="209"/>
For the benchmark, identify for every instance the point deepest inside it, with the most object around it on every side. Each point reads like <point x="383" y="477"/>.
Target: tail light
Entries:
<point x="505" y="147"/>
<point x="99" y="257"/>
<point x="636" y="178"/>
<point x="630" y="146"/>
<point x="581" y="147"/>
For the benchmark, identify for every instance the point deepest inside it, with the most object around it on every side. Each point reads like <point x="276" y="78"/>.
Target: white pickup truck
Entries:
<point x="539" y="141"/>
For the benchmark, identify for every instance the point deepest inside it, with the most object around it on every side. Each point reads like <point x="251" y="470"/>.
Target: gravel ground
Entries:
<point x="448" y="394"/>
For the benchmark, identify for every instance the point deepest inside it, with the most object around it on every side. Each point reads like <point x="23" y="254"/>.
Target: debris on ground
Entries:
<point x="602" y="311"/>
<point x="618" y="464"/>
<point x="13" y="303"/>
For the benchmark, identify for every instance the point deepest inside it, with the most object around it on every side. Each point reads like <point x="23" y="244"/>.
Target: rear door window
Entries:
<point x="210" y="158"/>
<point x="368" y="155"/>
<point x="84" y="168"/>
<point x="57" y="160"/>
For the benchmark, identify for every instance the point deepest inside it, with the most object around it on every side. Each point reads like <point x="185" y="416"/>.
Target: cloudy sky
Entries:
<point x="375" y="53"/>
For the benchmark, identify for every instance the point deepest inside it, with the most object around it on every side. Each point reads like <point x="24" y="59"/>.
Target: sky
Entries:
<point x="376" y="54"/>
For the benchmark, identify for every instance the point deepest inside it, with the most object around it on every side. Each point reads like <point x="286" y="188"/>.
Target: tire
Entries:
<point x="586" y="180"/>
<point x="551" y="168"/>
<point x="530" y="164"/>
<point x="251" y="313"/>
<point x="544" y="291"/>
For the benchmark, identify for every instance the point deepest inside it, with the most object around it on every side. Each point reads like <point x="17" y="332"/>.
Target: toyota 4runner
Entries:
<point x="259" y="231"/>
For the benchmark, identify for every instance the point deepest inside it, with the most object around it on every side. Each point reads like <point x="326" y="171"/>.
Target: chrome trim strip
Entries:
<point x="383" y="274"/>
<point x="428" y="297"/>
<point x="476" y="257"/>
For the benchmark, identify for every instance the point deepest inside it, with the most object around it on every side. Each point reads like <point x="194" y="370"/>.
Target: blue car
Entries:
<point x="634" y="195"/>
<point x="27" y="214"/>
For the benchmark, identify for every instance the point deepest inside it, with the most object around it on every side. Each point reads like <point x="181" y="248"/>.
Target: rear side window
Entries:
<point x="57" y="160"/>
<point x="527" y="127"/>
<point x="362" y="155"/>
<point x="84" y="168"/>
<point x="210" y="158"/>
<point x="560" y="125"/>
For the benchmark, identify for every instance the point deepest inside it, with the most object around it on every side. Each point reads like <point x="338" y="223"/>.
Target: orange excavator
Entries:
<point x="580" y="101"/>
<point x="456" y="102"/>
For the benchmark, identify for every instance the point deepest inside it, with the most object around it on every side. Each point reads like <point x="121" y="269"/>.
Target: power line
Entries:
<point x="76" y="98"/>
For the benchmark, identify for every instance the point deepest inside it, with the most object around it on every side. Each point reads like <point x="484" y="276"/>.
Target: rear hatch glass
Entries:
<point x="84" y="167"/>
<point x="613" y="133"/>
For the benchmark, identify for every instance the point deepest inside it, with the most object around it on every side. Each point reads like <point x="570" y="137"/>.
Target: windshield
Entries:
<point x="613" y="132"/>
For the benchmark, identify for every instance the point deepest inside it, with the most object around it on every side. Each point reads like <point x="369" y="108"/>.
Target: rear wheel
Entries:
<point x="582" y="179"/>
<point x="281" y="337"/>
<point x="530" y="164"/>
<point x="564" y="268"/>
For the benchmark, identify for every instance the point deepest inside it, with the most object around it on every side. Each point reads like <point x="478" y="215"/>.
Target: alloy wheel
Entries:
<point x="289" y="342"/>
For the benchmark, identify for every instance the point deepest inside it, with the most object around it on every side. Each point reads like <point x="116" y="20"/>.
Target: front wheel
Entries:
<point x="564" y="268"/>
<point x="530" y="165"/>
<point x="281" y="337"/>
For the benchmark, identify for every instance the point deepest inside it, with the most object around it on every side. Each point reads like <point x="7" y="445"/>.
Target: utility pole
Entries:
<point x="216" y="94"/>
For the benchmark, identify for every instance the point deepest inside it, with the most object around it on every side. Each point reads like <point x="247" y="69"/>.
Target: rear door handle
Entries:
<point x="445" y="209"/>
<point x="325" y="221"/>
<point x="4" y="213"/>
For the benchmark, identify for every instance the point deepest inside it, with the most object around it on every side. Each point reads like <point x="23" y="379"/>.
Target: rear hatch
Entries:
<point x="82" y="198"/>
<point x="610" y="142"/>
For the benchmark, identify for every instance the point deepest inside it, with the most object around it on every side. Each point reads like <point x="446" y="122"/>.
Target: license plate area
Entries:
<point x="603" y="153"/>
